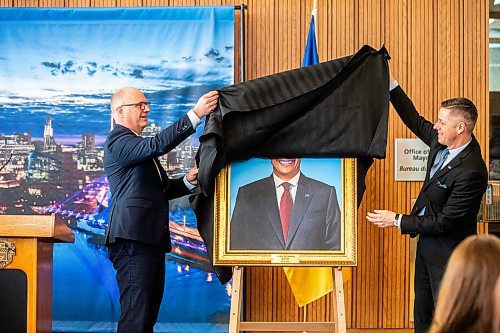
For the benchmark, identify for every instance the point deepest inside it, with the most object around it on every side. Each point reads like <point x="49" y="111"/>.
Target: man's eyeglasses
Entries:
<point x="140" y="105"/>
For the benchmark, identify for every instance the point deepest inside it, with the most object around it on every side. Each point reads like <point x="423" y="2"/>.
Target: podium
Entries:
<point x="26" y="244"/>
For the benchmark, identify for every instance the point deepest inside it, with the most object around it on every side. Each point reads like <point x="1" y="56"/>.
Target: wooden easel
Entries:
<point x="236" y="325"/>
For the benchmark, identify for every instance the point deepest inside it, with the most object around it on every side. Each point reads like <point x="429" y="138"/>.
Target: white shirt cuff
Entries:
<point x="393" y="85"/>
<point x="195" y="121"/>
<point x="188" y="184"/>
<point x="398" y="221"/>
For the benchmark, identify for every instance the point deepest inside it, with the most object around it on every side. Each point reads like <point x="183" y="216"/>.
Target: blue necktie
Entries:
<point x="438" y="163"/>
<point x="442" y="155"/>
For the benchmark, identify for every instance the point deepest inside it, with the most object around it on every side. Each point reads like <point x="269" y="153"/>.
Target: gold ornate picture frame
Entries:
<point x="249" y="228"/>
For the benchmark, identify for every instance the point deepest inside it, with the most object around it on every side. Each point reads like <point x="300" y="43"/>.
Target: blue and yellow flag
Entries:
<point x="310" y="283"/>
<point x="311" y="52"/>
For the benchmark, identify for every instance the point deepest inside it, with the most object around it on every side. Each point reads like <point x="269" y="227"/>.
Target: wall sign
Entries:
<point x="411" y="159"/>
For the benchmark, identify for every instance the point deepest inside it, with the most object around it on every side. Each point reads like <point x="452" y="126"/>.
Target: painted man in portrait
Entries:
<point x="286" y="211"/>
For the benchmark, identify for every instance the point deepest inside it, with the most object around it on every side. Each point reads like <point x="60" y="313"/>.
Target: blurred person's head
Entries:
<point x="496" y="300"/>
<point x="465" y="302"/>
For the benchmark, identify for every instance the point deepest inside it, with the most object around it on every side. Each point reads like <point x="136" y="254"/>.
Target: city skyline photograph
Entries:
<point x="59" y="70"/>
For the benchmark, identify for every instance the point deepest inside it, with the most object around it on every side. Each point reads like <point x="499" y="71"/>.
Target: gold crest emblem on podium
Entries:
<point x="7" y="252"/>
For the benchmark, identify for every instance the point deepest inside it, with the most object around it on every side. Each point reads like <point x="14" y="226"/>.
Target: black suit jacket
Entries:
<point x="315" y="223"/>
<point x="139" y="198"/>
<point x="452" y="197"/>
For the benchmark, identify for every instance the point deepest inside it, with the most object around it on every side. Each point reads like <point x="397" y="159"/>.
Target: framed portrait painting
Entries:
<point x="286" y="212"/>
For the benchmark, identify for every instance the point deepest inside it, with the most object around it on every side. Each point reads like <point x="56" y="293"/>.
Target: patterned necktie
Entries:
<point x="157" y="165"/>
<point x="438" y="163"/>
<point x="286" y="205"/>
<point x="158" y="168"/>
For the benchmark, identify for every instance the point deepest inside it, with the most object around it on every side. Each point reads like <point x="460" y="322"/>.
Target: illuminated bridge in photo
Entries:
<point x="86" y="203"/>
<point x="89" y="206"/>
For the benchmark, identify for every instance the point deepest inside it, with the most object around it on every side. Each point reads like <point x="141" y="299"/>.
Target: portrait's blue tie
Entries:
<point x="438" y="163"/>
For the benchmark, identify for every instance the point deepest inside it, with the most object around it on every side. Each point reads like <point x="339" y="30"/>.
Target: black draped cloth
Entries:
<point x="337" y="108"/>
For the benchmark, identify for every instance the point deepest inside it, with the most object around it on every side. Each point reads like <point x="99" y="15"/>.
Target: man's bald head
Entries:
<point x="120" y="95"/>
<point x="129" y="108"/>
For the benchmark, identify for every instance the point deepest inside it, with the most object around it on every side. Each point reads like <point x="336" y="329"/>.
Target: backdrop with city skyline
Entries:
<point x="59" y="68"/>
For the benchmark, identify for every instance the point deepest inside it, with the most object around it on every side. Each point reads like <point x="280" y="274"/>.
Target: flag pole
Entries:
<point x="313" y="14"/>
<point x="305" y="316"/>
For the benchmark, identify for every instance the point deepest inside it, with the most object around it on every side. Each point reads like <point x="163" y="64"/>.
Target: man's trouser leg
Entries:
<point x="427" y="280"/>
<point x="140" y="272"/>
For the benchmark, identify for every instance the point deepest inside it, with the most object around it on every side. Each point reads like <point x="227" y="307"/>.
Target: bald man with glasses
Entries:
<point x="138" y="235"/>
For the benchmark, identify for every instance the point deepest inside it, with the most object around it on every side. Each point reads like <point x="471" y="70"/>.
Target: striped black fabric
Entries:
<point x="279" y="88"/>
<point x="337" y="108"/>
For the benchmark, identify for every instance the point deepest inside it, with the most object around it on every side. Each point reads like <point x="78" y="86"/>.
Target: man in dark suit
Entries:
<point x="286" y="211"/>
<point x="138" y="235"/>
<point x="446" y="209"/>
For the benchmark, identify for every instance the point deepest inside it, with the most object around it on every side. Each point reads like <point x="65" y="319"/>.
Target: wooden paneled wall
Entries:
<point x="439" y="50"/>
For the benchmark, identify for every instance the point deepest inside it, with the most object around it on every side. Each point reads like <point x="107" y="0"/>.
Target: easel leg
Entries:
<point x="236" y="300"/>
<point x="339" y="305"/>
<point x="236" y="324"/>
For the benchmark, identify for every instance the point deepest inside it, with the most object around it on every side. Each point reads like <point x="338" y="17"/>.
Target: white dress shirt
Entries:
<point x="280" y="189"/>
